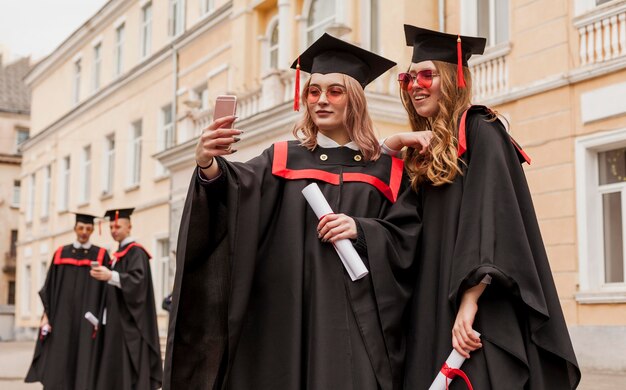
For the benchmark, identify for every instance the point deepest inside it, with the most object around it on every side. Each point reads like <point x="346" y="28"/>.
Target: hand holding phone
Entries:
<point x="94" y="264"/>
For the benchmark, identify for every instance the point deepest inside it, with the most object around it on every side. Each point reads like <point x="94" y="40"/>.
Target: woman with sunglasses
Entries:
<point x="482" y="263"/>
<point x="261" y="298"/>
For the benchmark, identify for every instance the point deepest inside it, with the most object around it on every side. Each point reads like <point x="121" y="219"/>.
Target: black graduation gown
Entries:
<point x="130" y="355"/>
<point x="261" y="303"/>
<point x="484" y="223"/>
<point x="62" y="360"/>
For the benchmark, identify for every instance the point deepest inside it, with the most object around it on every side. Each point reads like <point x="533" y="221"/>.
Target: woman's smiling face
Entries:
<point x="425" y="98"/>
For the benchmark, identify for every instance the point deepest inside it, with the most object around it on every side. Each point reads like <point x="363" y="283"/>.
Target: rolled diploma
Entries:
<point x="454" y="360"/>
<point x="348" y="255"/>
<point x="91" y="318"/>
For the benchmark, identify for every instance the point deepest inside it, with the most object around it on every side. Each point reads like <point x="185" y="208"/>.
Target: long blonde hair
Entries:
<point x="358" y="122"/>
<point x="440" y="166"/>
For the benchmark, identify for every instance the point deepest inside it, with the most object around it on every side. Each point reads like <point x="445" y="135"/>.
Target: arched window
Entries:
<point x="273" y="46"/>
<point x="321" y="15"/>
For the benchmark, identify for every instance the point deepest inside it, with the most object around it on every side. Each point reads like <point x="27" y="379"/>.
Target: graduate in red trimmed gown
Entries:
<point x="261" y="298"/>
<point x="482" y="262"/>
<point x="130" y="355"/>
<point x="66" y="339"/>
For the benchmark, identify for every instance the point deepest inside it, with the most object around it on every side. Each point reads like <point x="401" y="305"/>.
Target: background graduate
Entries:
<point x="62" y="356"/>
<point x="261" y="299"/>
<point x="130" y="354"/>
<point x="479" y="227"/>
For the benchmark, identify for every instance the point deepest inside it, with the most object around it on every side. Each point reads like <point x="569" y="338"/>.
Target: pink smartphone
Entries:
<point x="225" y="105"/>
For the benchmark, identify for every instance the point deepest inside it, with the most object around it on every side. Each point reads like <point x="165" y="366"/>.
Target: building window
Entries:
<point x="600" y="2"/>
<point x="13" y="247"/>
<point x="486" y="18"/>
<point x="11" y="297"/>
<point x="47" y="184"/>
<point x="273" y="46"/>
<point x="109" y="165"/>
<point x="97" y="66"/>
<point x="17" y="193"/>
<point x="146" y="30"/>
<point x="207" y="6"/>
<point x="167" y="128"/>
<point x="176" y="17"/>
<point x="162" y="274"/>
<point x="64" y="187"/>
<point x="30" y="205"/>
<point x="85" y="167"/>
<point x="118" y="66"/>
<point x="201" y="95"/>
<point x="77" y="73"/>
<point x="601" y="202"/>
<point x="25" y="286"/>
<point x="135" y="154"/>
<point x="21" y="135"/>
<point x="321" y="15"/>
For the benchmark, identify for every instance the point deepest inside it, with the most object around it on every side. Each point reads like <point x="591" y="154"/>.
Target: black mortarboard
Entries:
<point x="115" y="214"/>
<point x="429" y="45"/>
<point x="332" y="55"/>
<point x="85" y="218"/>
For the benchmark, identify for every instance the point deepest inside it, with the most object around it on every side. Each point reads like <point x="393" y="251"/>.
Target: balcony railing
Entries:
<point x="602" y="34"/>
<point x="9" y="263"/>
<point x="490" y="73"/>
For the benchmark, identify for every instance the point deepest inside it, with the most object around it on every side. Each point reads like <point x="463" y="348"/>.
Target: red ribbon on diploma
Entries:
<point x="450" y="373"/>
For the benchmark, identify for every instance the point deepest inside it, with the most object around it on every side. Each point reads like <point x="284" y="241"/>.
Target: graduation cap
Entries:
<point x="115" y="214"/>
<point x="85" y="218"/>
<point x="332" y="55"/>
<point x="429" y="45"/>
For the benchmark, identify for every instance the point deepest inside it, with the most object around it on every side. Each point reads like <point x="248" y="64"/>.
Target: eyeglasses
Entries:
<point x="424" y="79"/>
<point x="334" y="94"/>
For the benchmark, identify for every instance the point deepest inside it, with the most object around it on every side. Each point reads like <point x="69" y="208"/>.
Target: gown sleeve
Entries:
<point x="498" y="235"/>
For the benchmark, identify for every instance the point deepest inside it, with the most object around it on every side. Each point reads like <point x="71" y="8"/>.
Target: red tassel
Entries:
<point x="117" y="215"/>
<point x="460" y="80"/>
<point x="296" y="98"/>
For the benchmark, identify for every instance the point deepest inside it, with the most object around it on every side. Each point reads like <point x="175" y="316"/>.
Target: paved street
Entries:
<point x="15" y="358"/>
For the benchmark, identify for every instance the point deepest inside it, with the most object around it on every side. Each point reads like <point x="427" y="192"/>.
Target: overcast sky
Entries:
<point x="36" y="27"/>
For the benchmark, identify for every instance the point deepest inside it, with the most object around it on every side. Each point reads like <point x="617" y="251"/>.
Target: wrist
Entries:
<point x="206" y="165"/>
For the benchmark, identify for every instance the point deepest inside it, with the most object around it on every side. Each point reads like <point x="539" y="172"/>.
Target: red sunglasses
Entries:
<point x="334" y="94"/>
<point x="424" y="79"/>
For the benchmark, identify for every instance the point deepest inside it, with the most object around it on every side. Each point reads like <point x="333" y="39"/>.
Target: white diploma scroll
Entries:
<point x="348" y="255"/>
<point x="454" y="360"/>
<point x="92" y="319"/>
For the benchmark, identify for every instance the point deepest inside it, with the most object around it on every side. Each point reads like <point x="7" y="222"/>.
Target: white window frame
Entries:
<point x="207" y="6"/>
<point x="166" y="130"/>
<point x="161" y="278"/>
<point x="47" y="186"/>
<point x="65" y="170"/>
<point x="308" y="5"/>
<point x="108" y="167"/>
<point x="30" y="204"/>
<point x="583" y="6"/>
<point x="273" y="24"/>
<point x="25" y="285"/>
<point x="18" y="142"/>
<point x="17" y="193"/>
<point x="97" y="66"/>
<point x="469" y="20"/>
<point x="118" y="57"/>
<point x="593" y="288"/>
<point x="368" y="16"/>
<point x="78" y="64"/>
<point x="146" y="30"/>
<point x="134" y="154"/>
<point x="85" y="174"/>
<point x="176" y="21"/>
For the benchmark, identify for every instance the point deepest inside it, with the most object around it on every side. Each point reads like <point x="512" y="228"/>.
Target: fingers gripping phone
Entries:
<point x="225" y="105"/>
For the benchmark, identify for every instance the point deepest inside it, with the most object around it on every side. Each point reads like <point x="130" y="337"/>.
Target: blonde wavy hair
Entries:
<point x="357" y="121"/>
<point x="441" y="165"/>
